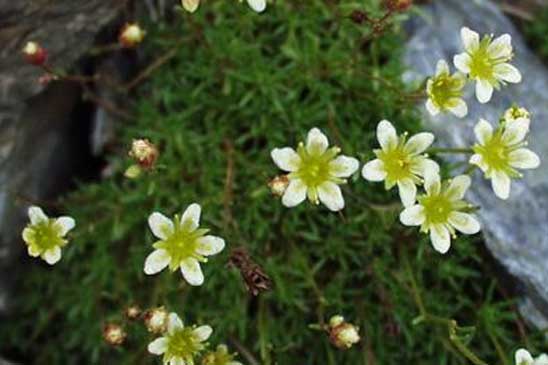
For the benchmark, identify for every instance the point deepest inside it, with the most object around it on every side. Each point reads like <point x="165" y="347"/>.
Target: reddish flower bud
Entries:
<point x="131" y="35"/>
<point x="343" y="334"/>
<point x="132" y="312"/>
<point x="156" y="320"/>
<point x="144" y="153"/>
<point x="278" y="185"/>
<point x="35" y="54"/>
<point x="398" y="5"/>
<point x="114" y="334"/>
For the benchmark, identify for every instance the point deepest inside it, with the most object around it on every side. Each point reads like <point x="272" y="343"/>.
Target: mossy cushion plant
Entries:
<point x="241" y="85"/>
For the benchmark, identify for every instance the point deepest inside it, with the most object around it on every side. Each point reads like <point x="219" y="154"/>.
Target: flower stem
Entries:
<point x="436" y="150"/>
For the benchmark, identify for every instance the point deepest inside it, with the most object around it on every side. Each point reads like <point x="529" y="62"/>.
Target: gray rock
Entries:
<point x="516" y="230"/>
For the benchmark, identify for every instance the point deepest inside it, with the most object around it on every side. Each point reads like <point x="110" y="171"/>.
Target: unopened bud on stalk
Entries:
<point x="132" y="312"/>
<point x="156" y="320"/>
<point x="131" y="35"/>
<point x="114" y="334"/>
<point x="398" y="5"/>
<point x="342" y="334"/>
<point x="144" y="153"/>
<point x="35" y="54"/>
<point x="278" y="185"/>
<point x="133" y="172"/>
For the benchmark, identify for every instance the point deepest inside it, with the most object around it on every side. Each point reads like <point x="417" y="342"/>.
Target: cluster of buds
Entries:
<point x="35" y="54"/>
<point x="398" y="5"/>
<point x="278" y="185"/>
<point x="131" y="35"/>
<point x="114" y="334"/>
<point x="156" y="320"/>
<point x="132" y="312"/>
<point x="342" y="334"/>
<point x="145" y="154"/>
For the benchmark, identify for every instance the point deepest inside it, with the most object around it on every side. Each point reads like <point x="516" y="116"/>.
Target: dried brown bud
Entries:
<point x="342" y="334"/>
<point x="278" y="185"/>
<point x="132" y="312"/>
<point x="35" y="54"/>
<point x="358" y="16"/>
<point x="144" y="153"/>
<point x="398" y="5"/>
<point x="114" y="334"/>
<point x="156" y="320"/>
<point x="255" y="279"/>
<point x="131" y="35"/>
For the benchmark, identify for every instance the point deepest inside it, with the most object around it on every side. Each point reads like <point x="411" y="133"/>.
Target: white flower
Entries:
<point x="314" y="171"/>
<point x="542" y="359"/>
<point x="501" y="152"/>
<point x="514" y="113"/>
<point x="486" y="62"/>
<point x="181" y="344"/>
<point x="400" y="161"/>
<point x="182" y="244"/>
<point x="442" y="210"/>
<point x="46" y="236"/>
<point x="445" y="91"/>
<point x="258" y="5"/>
<point x="523" y="357"/>
<point x="220" y="356"/>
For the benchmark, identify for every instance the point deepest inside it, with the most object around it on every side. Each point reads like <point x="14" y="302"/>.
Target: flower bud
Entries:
<point x="190" y="5"/>
<point x="156" y="320"/>
<point x="131" y="35"/>
<point x="132" y="312"/>
<point x="133" y="172"/>
<point x="114" y="334"/>
<point x="220" y="356"/>
<point x="278" y="185"/>
<point x="515" y="112"/>
<point x="342" y="334"/>
<point x="144" y="153"/>
<point x="398" y="5"/>
<point x="35" y="54"/>
<point x="358" y="16"/>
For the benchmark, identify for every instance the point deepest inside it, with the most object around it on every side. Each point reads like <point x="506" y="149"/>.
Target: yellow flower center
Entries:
<point x="45" y="235"/>
<point x="482" y="65"/>
<point x="397" y="163"/>
<point x="183" y="344"/>
<point x="437" y="208"/>
<point x="314" y="169"/>
<point x="444" y="89"/>
<point x="496" y="154"/>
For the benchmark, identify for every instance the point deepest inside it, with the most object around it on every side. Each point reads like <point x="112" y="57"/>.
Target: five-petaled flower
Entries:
<point x="46" y="236"/>
<point x="486" y="62"/>
<point x="445" y="91"/>
<point x="192" y="5"/>
<point x="180" y="345"/>
<point x="442" y="210"/>
<point x="499" y="153"/>
<point x="182" y="244"/>
<point x="400" y="161"/>
<point x="314" y="171"/>
<point x="524" y="357"/>
<point x="220" y="356"/>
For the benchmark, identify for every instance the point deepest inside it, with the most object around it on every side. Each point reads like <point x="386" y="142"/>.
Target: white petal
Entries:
<point x="210" y="245"/>
<point x="331" y="196"/>
<point x="156" y="261"/>
<point x="160" y="225"/>
<point x="412" y="216"/>
<point x="458" y="187"/>
<point x="507" y="72"/>
<point x="542" y="359"/>
<point x="295" y="193"/>
<point x="174" y="323"/>
<point x="441" y="240"/>
<point x="462" y="62"/>
<point x="478" y="161"/>
<point x="470" y="39"/>
<point x="37" y="215"/>
<point x="192" y="272"/>
<point x="202" y="333"/>
<point x="191" y="5"/>
<point x="343" y="166"/>
<point x="177" y="361"/>
<point x="426" y="166"/>
<point x="239" y="363"/>
<point x="158" y="346"/>
<point x="191" y="216"/>
<point x="523" y="357"/>
<point x="464" y="222"/>
<point x="431" y="107"/>
<point x="524" y="158"/>
<point x="442" y="67"/>
<point x="419" y="143"/>
<point x="316" y="142"/>
<point x="501" y="184"/>
<point x="484" y="91"/>
<point x="53" y="255"/>
<point x="65" y="224"/>
<point x="258" y="5"/>
<point x="460" y="109"/>
<point x="516" y="131"/>
<point x="33" y="251"/>
<point x="432" y="183"/>
<point x="286" y="158"/>
<point x="500" y="47"/>
<point x="408" y="192"/>
<point x="483" y="131"/>
<point x="386" y="134"/>
<point x="374" y="171"/>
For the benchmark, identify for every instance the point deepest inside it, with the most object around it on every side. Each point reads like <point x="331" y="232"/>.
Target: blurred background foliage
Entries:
<point x="240" y="85"/>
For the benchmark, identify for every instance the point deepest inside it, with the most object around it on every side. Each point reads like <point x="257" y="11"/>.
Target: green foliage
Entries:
<point x="240" y="85"/>
<point x="535" y="33"/>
